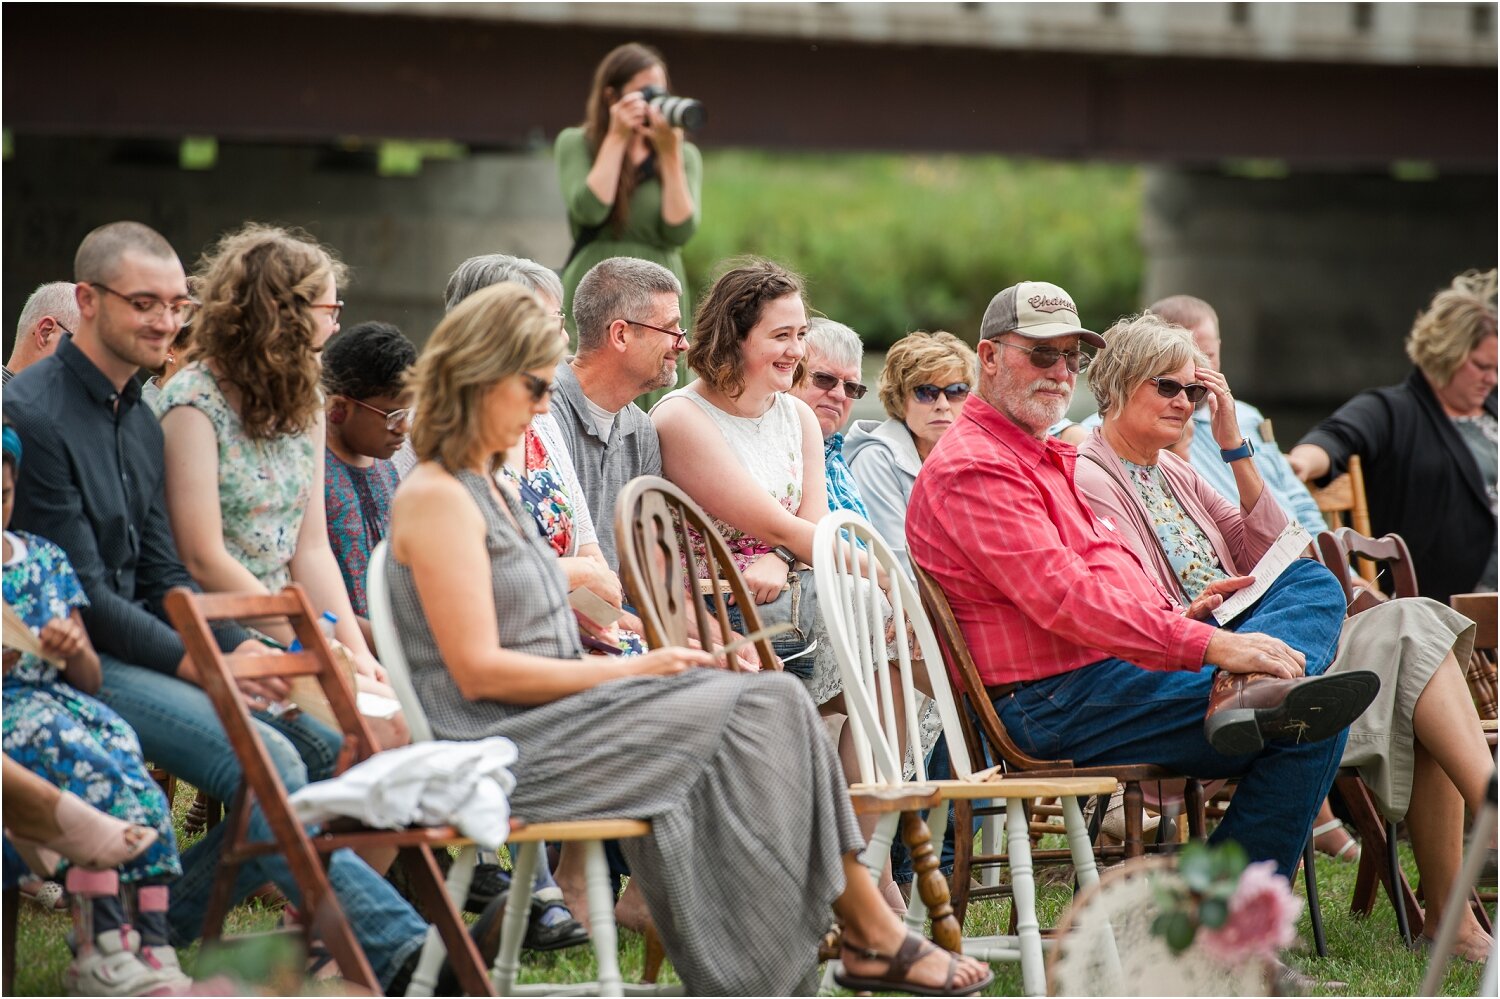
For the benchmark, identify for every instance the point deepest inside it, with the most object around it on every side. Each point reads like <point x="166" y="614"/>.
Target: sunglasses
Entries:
<point x="1168" y="388"/>
<point x="1045" y="357"/>
<point x="927" y="394"/>
<point x="539" y="389"/>
<point x="826" y="382"/>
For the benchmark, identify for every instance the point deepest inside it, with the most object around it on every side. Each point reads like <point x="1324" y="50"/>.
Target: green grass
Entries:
<point x="1365" y="953"/>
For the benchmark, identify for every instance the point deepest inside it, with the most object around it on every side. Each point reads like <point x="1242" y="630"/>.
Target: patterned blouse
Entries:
<point x="1187" y="548"/>
<point x="264" y="484"/>
<point x="543" y="495"/>
<point x="358" y="501"/>
<point x="41" y="585"/>
<point x="843" y="491"/>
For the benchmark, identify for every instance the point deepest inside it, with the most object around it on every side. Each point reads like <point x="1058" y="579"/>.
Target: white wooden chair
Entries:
<point x="525" y="841"/>
<point x="853" y="609"/>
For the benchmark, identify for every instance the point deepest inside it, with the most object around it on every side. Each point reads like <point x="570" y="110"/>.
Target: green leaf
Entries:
<point x="1180" y="931"/>
<point x="1213" y="912"/>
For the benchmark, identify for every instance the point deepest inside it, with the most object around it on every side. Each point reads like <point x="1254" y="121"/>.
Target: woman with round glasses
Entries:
<point x="1419" y="746"/>
<point x="923" y="387"/>
<point x="244" y="432"/>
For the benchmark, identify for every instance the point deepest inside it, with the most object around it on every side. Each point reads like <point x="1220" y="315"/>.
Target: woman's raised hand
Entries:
<point x="668" y="661"/>
<point x="664" y="137"/>
<point x="627" y="115"/>
<point x="1226" y="424"/>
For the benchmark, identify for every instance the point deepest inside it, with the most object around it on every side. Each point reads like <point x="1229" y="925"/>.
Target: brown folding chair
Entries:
<point x="1342" y="503"/>
<point x="307" y="853"/>
<point x="975" y="706"/>
<point x="1379" y="862"/>
<point x="662" y="577"/>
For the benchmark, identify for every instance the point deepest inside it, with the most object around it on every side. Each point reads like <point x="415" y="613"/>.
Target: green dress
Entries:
<point x="644" y="234"/>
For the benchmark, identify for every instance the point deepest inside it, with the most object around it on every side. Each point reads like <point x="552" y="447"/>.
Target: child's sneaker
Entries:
<point x="162" y="960"/>
<point x="111" y="968"/>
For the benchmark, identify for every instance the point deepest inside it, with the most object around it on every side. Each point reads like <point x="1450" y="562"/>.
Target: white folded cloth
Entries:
<point x="464" y="784"/>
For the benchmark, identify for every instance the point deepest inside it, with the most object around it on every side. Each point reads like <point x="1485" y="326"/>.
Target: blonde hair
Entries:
<point x="914" y="359"/>
<point x="258" y="325"/>
<point x="494" y="333"/>
<point x="1137" y="348"/>
<point x="1458" y="320"/>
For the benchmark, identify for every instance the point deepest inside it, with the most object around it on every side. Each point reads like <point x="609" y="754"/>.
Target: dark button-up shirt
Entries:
<point x="91" y="481"/>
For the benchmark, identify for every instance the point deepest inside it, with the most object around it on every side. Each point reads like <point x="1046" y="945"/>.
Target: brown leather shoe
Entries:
<point x="1247" y="710"/>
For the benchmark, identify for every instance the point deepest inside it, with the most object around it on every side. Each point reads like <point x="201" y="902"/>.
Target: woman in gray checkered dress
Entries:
<point x="753" y="838"/>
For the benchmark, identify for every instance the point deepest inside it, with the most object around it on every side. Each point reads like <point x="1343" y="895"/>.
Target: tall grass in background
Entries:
<point x="891" y="243"/>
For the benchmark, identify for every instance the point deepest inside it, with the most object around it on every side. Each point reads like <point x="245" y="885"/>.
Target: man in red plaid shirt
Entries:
<point x="1082" y="652"/>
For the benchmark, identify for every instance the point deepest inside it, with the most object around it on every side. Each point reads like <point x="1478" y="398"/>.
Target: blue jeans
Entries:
<point x="180" y="732"/>
<point x="1113" y="712"/>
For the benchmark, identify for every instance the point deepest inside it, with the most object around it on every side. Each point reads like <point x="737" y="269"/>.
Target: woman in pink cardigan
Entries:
<point x="1419" y="746"/>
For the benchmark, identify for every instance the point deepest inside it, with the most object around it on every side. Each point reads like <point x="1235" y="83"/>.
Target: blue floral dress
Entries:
<point x="65" y="736"/>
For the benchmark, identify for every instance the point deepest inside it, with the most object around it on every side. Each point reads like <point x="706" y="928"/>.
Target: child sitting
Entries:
<point x="53" y="728"/>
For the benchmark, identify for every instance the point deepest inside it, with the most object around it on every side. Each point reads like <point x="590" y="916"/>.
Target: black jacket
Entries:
<point x="1421" y="480"/>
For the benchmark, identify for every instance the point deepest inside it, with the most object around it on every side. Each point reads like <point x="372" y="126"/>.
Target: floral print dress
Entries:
<point x="1188" y="549"/>
<point x="65" y="736"/>
<point x="264" y="484"/>
<point x="545" y="497"/>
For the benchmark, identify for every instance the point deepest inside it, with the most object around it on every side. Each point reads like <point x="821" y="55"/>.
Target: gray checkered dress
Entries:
<point x="749" y="809"/>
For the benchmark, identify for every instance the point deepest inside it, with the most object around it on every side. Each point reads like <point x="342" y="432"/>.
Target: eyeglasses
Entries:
<point x="150" y="307"/>
<point x="1045" y="357"/>
<point x="394" y="418"/>
<point x="826" y="382"/>
<point x="539" y="389"/>
<point x="1168" y="388"/>
<point x="562" y="320"/>
<point x="927" y="394"/>
<point x="679" y="336"/>
<point x="334" y="308"/>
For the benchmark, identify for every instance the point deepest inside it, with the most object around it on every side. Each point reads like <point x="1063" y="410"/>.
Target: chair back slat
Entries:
<point x="661" y="572"/>
<point x="1336" y="548"/>
<point x="1343" y="504"/>
<point x="855" y="618"/>
<point x="960" y="663"/>
<point x="388" y="644"/>
<point x="246" y="606"/>
<point x="252" y="667"/>
<point x="1480" y="671"/>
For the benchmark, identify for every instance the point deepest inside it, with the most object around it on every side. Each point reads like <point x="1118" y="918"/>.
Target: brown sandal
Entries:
<point x="898" y="966"/>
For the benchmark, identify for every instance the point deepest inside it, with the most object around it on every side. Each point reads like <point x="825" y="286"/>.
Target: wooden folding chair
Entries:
<point x="1481" y="608"/>
<point x="1342" y="503"/>
<point x="307" y="853"/>
<point x="851" y="604"/>
<point x="526" y="842"/>
<point x="1379" y="862"/>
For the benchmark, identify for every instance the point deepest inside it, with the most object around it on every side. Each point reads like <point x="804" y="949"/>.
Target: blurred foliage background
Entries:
<point x="891" y="243"/>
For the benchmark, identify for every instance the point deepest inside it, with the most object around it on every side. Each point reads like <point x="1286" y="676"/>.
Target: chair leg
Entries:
<point x="1193" y="800"/>
<point x="1314" y="911"/>
<point x="1394" y="883"/>
<point x="602" y="925"/>
<point x="445" y="916"/>
<point x="429" y="965"/>
<point x="989" y="842"/>
<point x="517" y="914"/>
<point x="1135" y="808"/>
<point x="933" y="887"/>
<point x="916" y="908"/>
<point x="963" y="858"/>
<point x="1023" y="900"/>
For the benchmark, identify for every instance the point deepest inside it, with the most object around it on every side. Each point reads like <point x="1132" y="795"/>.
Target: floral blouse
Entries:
<point x="543" y="495"/>
<point x="41" y="585"/>
<point x="264" y="484"/>
<point x="1188" y="549"/>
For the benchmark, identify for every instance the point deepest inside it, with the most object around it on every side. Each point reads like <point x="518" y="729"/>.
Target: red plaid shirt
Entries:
<point x="1039" y="585"/>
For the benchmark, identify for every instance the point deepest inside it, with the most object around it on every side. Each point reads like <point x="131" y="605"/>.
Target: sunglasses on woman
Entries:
<point x="826" y="382"/>
<point x="927" y="394"/>
<point x="538" y="388"/>
<point x="1168" y="388"/>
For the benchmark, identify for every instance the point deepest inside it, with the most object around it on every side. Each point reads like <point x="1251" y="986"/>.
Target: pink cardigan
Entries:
<point x="1239" y="538"/>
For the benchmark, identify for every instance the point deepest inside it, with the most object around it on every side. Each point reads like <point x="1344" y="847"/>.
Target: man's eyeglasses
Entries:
<point x="334" y="308"/>
<point x="1168" y="388"/>
<point x="679" y="336"/>
<point x="150" y="307"/>
<point x="394" y="418"/>
<point x="539" y="389"/>
<point x="1045" y="357"/>
<point x="927" y="394"/>
<point x="826" y="382"/>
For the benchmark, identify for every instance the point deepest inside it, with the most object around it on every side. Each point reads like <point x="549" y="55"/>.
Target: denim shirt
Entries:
<point x="91" y="482"/>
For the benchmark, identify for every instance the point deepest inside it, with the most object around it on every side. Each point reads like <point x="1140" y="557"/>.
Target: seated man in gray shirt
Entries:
<point x="629" y="318"/>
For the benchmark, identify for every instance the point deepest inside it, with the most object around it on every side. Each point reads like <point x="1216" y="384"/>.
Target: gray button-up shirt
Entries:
<point x="604" y="468"/>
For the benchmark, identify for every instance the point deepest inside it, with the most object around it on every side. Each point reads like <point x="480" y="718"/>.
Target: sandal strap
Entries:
<point x="1327" y="827"/>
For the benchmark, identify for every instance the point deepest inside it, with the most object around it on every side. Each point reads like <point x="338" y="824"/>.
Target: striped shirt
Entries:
<point x="1038" y="584"/>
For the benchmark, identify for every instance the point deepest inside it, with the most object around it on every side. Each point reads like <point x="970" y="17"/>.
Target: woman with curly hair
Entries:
<point x="244" y="429"/>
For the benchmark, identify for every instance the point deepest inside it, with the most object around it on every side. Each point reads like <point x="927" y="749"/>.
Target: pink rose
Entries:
<point x="1262" y="918"/>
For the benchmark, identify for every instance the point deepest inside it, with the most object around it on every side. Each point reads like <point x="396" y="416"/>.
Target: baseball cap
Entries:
<point x="1037" y="310"/>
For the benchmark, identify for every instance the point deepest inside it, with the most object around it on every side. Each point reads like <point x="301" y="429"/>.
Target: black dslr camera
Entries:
<point x="680" y="112"/>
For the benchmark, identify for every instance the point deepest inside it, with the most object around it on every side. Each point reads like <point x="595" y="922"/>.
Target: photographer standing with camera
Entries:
<point x="631" y="182"/>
